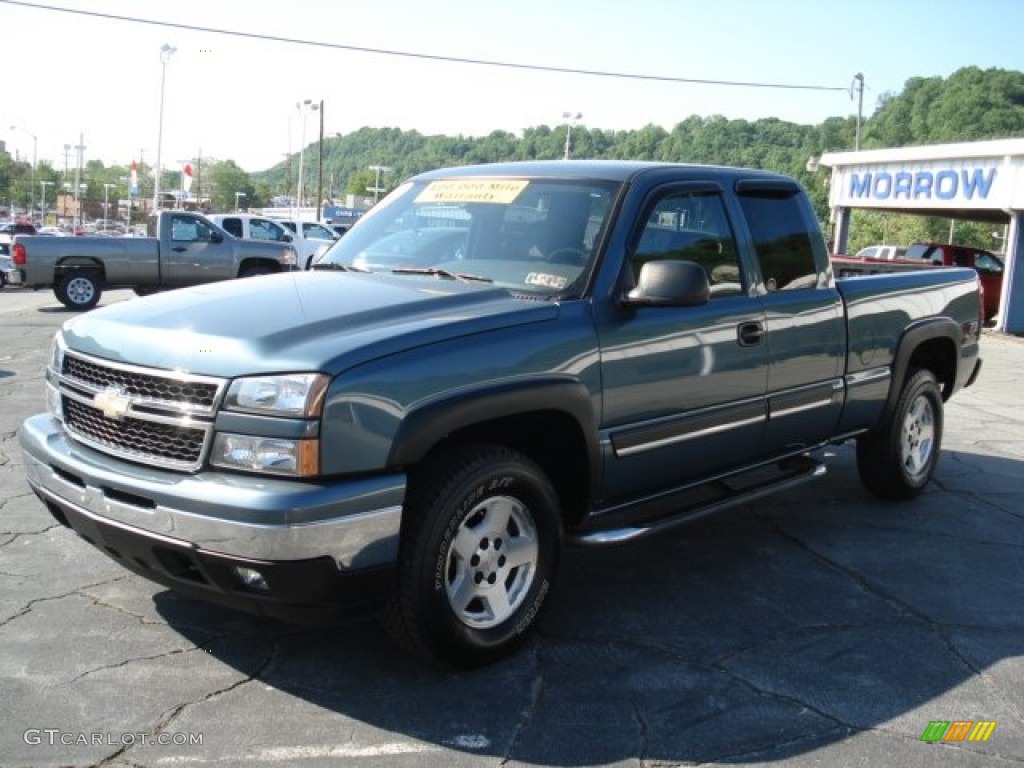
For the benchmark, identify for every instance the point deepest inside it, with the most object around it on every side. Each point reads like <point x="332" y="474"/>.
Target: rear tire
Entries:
<point x="898" y="459"/>
<point x="80" y="289"/>
<point x="480" y="542"/>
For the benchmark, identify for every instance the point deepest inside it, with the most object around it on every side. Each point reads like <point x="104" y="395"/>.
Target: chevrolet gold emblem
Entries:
<point x="113" y="402"/>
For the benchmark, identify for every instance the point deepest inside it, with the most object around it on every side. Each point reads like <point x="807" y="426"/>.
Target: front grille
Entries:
<point x="147" y="386"/>
<point x="135" y="437"/>
<point x="162" y="418"/>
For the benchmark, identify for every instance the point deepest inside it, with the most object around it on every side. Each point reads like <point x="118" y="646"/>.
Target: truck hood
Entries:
<point x="298" y="321"/>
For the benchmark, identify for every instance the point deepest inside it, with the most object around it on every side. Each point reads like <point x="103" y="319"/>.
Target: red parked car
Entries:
<point x="986" y="264"/>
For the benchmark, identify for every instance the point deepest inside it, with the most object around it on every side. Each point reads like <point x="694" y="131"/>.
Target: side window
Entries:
<point x="232" y="227"/>
<point x="986" y="262"/>
<point x="782" y="229"/>
<point x="692" y="226"/>
<point x="316" y="232"/>
<point x="264" y="230"/>
<point x="184" y="229"/>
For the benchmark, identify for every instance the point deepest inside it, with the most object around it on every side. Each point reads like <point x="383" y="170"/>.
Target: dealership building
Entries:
<point x="973" y="181"/>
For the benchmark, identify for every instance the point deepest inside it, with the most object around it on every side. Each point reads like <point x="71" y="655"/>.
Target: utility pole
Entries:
<point x="320" y="170"/>
<point x="859" y="80"/>
<point x="80" y="149"/>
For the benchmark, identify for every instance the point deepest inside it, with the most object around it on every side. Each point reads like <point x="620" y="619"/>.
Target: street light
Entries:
<point x="305" y="107"/>
<point x="82" y="187"/>
<point x="106" y="201"/>
<point x="320" y="165"/>
<point x="238" y="195"/>
<point x="32" y="190"/>
<point x="166" y="51"/>
<point x="859" y="80"/>
<point x="80" y="149"/>
<point x="379" y="169"/>
<point x="42" y="199"/>
<point x="574" y="116"/>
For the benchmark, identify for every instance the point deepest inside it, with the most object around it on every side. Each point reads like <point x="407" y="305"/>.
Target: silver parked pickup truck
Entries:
<point x="186" y="249"/>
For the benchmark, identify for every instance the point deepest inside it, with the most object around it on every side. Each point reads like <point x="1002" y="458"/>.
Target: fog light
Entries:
<point x="251" y="578"/>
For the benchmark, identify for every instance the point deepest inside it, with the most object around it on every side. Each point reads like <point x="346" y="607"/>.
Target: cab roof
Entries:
<point x="607" y="170"/>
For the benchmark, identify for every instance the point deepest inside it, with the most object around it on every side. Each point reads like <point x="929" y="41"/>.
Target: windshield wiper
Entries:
<point x="442" y="273"/>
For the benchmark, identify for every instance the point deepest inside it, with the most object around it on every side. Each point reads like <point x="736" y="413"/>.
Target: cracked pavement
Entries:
<point x="816" y="627"/>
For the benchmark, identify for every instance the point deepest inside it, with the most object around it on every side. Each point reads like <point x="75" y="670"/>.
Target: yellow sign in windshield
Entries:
<point x="500" y="191"/>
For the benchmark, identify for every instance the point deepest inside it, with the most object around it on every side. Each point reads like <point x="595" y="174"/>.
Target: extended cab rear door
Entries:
<point x="684" y="387"/>
<point x="805" y="325"/>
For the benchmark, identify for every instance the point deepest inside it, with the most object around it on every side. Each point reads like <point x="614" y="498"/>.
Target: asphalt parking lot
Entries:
<point x="819" y="627"/>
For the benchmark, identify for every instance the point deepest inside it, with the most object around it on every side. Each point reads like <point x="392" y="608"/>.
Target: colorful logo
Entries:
<point x="958" y="730"/>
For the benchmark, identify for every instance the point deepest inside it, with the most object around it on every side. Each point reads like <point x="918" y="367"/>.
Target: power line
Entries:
<point x="428" y="56"/>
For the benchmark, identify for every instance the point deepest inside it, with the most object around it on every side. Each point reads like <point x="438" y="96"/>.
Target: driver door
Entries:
<point x="195" y="253"/>
<point x="684" y="387"/>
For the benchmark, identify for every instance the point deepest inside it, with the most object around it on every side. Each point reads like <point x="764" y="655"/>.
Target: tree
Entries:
<point x="222" y="180"/>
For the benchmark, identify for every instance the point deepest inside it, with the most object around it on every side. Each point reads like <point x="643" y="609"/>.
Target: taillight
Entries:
<point x="18" y="254"/>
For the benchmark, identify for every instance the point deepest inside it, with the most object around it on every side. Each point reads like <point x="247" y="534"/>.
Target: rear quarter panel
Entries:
<point x="887" y="315"/>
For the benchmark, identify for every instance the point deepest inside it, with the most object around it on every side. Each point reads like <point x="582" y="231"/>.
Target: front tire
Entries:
<point x="80" y="289"/>
<point x="896" y="461"/>
<point x="255" y="271"/>
<point x="480" y="544"/>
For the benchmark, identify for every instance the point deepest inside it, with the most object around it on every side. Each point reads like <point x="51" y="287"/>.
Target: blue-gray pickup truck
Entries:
<point x="184" y="249"/>
<point x="495" y="361"/>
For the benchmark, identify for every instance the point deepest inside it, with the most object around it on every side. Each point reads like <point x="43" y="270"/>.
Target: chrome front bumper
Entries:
<point x="354" y="522"/>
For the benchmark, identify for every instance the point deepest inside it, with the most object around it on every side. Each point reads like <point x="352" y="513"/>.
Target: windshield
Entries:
<point x="533" y="236"/>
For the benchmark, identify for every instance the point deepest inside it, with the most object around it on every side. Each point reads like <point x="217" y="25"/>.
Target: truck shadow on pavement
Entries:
<point x="816" y="618"/>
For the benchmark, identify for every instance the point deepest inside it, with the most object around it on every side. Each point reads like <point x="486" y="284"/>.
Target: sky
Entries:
<point x="75" y="74"/>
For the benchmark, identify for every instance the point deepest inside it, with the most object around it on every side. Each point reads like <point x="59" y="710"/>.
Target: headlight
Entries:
<point x="299" y="458"/>
<point x="295" y="394"/>
<point x="291" y="258"/>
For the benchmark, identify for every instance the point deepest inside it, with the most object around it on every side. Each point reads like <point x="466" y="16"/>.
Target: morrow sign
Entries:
<point x="975" y="181"/>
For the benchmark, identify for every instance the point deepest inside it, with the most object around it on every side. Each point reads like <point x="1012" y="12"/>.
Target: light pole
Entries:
<point x="305" y="107"/>
<point x="166" y="51"/>
<point x="42" y="199"/>
<point x="859" y="79"/>
<point x="320" y="165"/>
<point x="379" y="169"/>
<point x="80" y="148"/>
<point x="106" y="201"/>
<point x="82" y="187"/>
<point x="238" y="195"/>
<point x="574" y="116"/>
<point x="35" y="144"/>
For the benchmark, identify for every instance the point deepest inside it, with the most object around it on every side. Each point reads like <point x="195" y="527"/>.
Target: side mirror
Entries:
<point x="670" y="283"/>
<point x="216" y="237"/>
<point x="287" y="238"/>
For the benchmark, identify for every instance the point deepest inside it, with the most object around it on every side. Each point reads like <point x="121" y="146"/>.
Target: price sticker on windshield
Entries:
<point x="499" y="191"/>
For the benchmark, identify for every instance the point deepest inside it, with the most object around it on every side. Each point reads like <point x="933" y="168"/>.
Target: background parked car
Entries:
<point x="251" y="226"/>
<point x="312" y="235"/>
<point x="5" y="262"/>
<point x="12" y="228"/>
<point x="887" y="252"/>
<point x="985" y="263"/>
